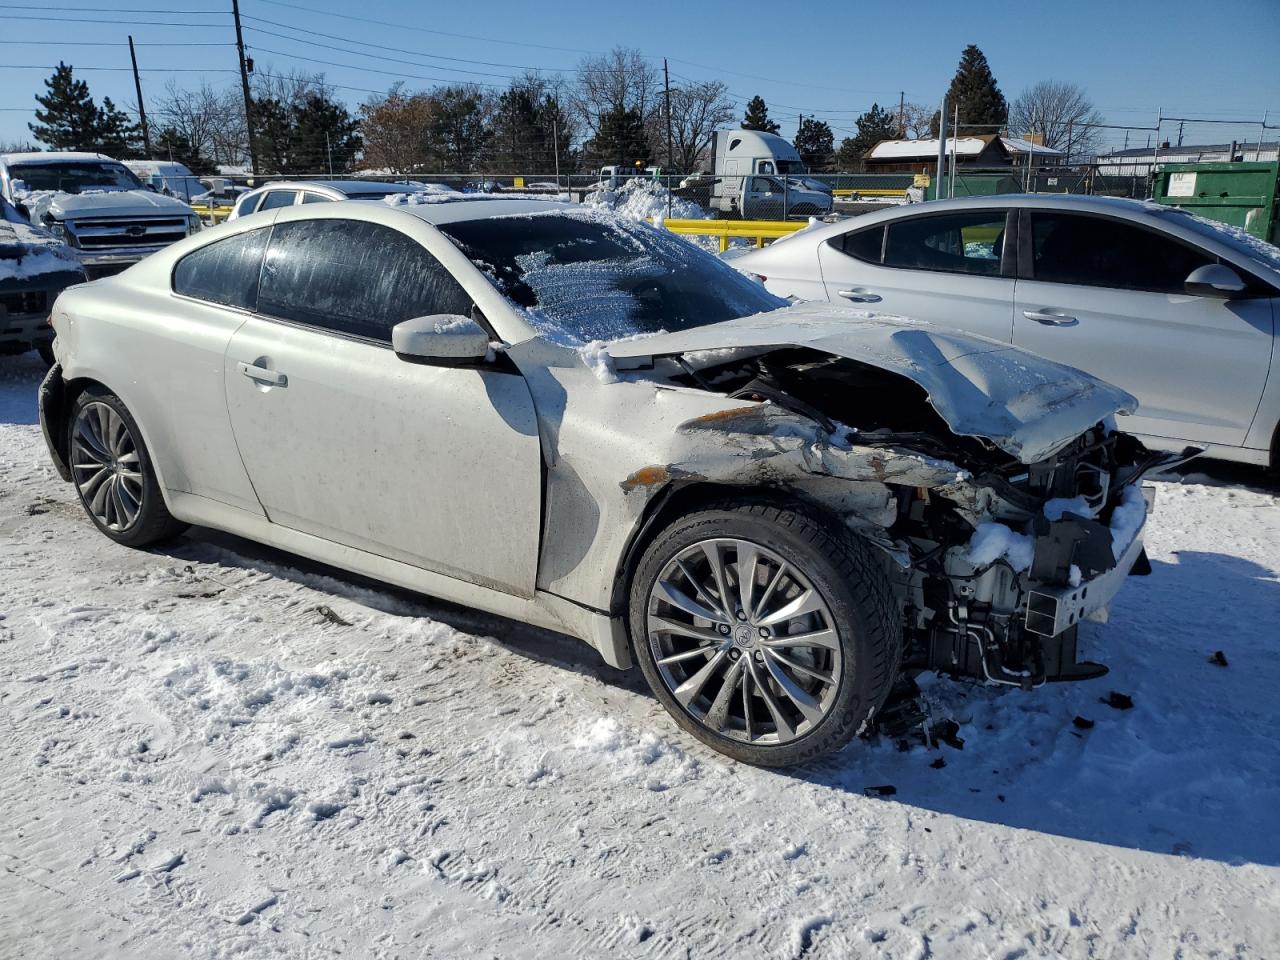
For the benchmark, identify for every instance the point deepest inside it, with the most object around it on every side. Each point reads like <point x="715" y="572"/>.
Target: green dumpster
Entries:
<point x="1241" y="194"/>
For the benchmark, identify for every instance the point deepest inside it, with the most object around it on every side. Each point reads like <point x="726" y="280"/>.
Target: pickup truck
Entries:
<point x="34" y="268"/>
<point x="96" y="205"/>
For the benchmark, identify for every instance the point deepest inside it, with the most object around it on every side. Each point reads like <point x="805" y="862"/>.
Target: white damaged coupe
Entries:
<point x="587" y="424"/>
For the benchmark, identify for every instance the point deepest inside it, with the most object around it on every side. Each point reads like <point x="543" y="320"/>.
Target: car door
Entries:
<point x="949" y="268"/>
<point x="1108" y="296"/>
<point x="434" y="466"/>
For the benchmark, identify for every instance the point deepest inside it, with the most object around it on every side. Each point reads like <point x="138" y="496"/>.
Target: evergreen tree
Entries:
<point x="873" y="126"/>
<point x="757" y="117"/>
<point x="69" y="120"/>
<point x="115" y="134"/>
<point x="458" y="132"/>
<point x="325" y="136"/>
<point x="973" y="90"/>
<point x="273" y="135"/>
<point x="814" y="143"/>
<point x="621" y="139"/>
<point x="528" y="127"/>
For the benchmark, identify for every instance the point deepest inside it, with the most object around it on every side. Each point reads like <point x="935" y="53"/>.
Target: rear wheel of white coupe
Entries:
<point x="113" y="475"/>
<point x="766" y="632"/>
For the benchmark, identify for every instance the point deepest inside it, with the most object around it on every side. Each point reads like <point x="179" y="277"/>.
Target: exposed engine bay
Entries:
<point x="996" y="561"/>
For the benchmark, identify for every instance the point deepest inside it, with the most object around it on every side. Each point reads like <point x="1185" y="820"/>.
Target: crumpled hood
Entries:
<point x="1026" y="405"/>
<point x="105" y="203"/>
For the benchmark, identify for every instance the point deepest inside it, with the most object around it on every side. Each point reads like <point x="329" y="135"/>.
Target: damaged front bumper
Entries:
<point x="1052" y="610"/>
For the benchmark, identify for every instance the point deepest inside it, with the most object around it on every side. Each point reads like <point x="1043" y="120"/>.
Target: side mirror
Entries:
<point x="443" y="339"/>
<point x="1215" y="280"/>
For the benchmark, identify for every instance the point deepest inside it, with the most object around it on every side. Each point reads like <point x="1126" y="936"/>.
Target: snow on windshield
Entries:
<point x="584" y="275"/>
<point x="27" y="251"/>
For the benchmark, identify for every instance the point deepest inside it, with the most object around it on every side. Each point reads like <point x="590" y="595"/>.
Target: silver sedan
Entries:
<point x="1179" y="311"/>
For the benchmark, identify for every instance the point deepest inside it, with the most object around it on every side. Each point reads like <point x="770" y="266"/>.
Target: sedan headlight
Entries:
<point x="194" y="224"/>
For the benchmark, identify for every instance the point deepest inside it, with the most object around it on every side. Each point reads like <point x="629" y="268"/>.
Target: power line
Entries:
<point x="440" y="33"/>
<point x="109" y="43"/>
<point x="114" y="22"/>
<point x="389" y="73"/>
<point x="31" y="66"/>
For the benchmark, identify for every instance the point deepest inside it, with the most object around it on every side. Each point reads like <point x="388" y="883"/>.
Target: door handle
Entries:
<point x="860" y="295"/>
<point x="271" y="378"/>
<point x="1050" y="319"/>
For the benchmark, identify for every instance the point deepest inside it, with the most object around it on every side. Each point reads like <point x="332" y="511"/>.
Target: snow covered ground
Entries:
<point x="216" y="750"/>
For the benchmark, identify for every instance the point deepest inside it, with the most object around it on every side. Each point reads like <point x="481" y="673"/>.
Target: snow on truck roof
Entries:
<point x="54" y="156"/>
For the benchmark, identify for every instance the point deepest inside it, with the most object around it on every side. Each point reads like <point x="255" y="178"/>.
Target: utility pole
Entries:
<point x="142" y="110"/>
<point x="1181" y="124"/>
<point x="902" y="127"/>
<point x="555" y="145"/>
<point x="328" y="151"/>
<point x="244" y="83"/>
<point x="666" y="82"/>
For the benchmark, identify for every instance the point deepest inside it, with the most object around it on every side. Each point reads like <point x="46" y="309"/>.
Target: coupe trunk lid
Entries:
<point x="1026" y="405"/>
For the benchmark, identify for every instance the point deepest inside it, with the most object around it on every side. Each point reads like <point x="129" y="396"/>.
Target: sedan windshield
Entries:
<point x="584" y="276"/>
<point x="76" y="177"/>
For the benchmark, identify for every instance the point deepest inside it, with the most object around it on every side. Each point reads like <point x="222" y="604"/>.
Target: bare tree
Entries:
<point x="209" y="121"/>
<point x="696" y="110"/>
<point x="396" y="131"/>
<point x="1059" y="111"/>
<point x="614" y="82"/>
<point x="917" y="120"/>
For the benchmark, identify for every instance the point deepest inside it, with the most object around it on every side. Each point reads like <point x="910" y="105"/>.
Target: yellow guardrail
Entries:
<point x="757" y="230"/>
<point x="871" y="192"/>
<point x="215" y="214"/>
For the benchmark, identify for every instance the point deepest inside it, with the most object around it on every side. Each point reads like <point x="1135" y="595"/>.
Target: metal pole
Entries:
<point x="666" y="82"/>
<point x="244" y="84"/>
<point x="955" y="149"/>
<point x="902" y="127"/>
<point x="555" y="146"/>
<point x="942" y="148"/>
<point x="1155" y="154"/>
<point x="328" y="152"/>
<point x="1262" y="132"/>
<point x="142" y="110"/>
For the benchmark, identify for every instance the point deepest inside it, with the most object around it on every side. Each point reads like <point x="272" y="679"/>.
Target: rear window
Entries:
<point x="225" y="272"/>
<point x="862" y="245"/>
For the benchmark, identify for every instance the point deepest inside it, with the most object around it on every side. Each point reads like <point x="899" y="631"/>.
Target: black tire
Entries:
<point x="846" y="573"/>
<point x="45" y="349"/>
<point x="153" y="522"/>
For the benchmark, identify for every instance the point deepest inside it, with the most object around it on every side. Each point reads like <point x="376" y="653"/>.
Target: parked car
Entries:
<point x="775" y="510"/>
<point x="1179" y="311"/>
<point x="169" y="177"/>
<point x="286" y="193"/>
<point x="96" y="205"/>
<point x="35" y="267"/>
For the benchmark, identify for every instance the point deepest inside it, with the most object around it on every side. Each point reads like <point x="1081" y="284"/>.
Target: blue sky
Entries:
<point x="1188" y="58"/>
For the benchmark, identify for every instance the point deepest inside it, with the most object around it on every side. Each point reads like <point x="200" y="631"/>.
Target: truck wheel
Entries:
<point x="768" y="634"/>
<point x="113" y="475"/>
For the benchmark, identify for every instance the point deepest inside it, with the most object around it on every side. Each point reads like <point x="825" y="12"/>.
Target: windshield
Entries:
<point x="584" y="276"/>
<point x="75" y="177"/>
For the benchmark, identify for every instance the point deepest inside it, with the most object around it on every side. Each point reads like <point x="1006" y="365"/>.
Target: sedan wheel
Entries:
<point x="767" y="631"/>
<point x="744" y="642"/>
<point x="105" y="464"/>
<point x="113" y="474"/>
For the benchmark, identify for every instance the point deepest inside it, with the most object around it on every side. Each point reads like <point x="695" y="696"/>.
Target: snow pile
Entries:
<point x="644" y="199"/>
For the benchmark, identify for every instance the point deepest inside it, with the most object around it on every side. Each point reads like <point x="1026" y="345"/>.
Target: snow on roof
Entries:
<point x="52" y="156"/>
<point x="911" y="149"/>
<point x="1018" y="145"/>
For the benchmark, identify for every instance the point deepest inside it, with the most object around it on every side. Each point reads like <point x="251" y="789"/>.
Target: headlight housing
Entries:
<point x="194" y="224"/>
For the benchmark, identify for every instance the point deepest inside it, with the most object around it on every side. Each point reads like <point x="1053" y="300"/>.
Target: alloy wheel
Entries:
<point x="743" y="641"/>
<point x="106" y="466"/>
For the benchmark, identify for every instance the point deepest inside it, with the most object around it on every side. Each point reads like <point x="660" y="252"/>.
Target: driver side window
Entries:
<point x="353" y="277"/>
